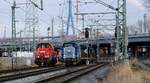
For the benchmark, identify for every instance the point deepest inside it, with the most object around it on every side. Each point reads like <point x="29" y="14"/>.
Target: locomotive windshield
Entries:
<point x="69" y="44"/>
<point x="44" y="45"/>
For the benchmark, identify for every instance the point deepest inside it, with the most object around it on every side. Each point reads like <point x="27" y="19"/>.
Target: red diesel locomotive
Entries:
<point x="45" y="55"/>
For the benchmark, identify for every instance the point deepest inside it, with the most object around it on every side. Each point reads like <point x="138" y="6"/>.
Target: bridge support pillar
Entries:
<point x="112" y="49"/>
<point x="134" y="51"/>
<point x="149" y="50"/>
<point x="98" y="52"/>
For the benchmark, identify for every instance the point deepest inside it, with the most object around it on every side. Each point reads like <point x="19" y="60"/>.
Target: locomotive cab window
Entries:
<point x="44" y="45"/>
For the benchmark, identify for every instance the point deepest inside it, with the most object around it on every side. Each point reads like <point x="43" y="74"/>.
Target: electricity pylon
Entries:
<point x="32" y="17"/>
<point x="122" y="30"/>
<point x="121" y="25"/>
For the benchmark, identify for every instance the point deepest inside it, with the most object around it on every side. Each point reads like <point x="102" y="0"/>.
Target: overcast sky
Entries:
<point x="52" y="8"/>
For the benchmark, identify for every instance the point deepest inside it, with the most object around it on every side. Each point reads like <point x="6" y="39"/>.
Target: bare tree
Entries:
<point x="137" y="28"/>
<point x="140" y="26"/>
<point x="132" y="29"/>
<point x="147" y="4"/>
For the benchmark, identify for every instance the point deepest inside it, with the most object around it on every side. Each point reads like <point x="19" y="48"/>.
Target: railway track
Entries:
<point x="19" y="69"/>
<point x="70" y="75"/>
<point x="27" y="73"/>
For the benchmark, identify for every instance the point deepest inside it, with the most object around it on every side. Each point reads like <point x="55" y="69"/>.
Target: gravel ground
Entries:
<point x="147" y="62"/>
<point x="94" y="76"/>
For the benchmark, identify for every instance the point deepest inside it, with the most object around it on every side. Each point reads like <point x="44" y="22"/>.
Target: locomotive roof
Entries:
<point x="45" y="43"/>
<point x="70" y="43"/>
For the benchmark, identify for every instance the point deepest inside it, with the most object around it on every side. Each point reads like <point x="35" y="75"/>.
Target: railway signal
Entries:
<point x="86" y="32"/>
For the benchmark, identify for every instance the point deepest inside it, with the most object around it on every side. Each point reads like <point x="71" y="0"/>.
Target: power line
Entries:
<point x="8" y="2"/>
<point x="106" y="10"/>
<point x="39" y="18"/>
<point x="25" y="11"/>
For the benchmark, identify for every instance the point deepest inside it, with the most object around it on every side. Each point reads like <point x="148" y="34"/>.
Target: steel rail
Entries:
<point x="70" y="75"/>
<point x="28" y="74"/>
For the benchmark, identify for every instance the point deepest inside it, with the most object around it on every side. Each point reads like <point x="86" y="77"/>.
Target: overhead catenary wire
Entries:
<point x="39" y="18"/>
<point x="43" y="12"/>
<point x="8" y="2"/>
<point x="25" y="11"/>
<point x="104" y="14"/>
<point x="23" y="19"/>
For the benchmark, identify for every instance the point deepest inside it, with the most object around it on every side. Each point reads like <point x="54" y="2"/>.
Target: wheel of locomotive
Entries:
<point x="76" y="62"/>
<point x="38" y="62"/>
<point x="68" y="63"/>
<point x="45" y="62"/>
<point x="49" y="62"/>
<point x="52" y="61"/>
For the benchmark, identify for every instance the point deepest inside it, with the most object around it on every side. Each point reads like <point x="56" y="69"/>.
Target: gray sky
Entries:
<point x="135" y="11"/>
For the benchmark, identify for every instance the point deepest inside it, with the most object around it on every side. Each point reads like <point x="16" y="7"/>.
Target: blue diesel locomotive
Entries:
<point x="70" y="54"/>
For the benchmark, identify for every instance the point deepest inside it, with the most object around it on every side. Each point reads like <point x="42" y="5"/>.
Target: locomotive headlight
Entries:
<point x="69" y="50"/>
<point x="37" y="56"/>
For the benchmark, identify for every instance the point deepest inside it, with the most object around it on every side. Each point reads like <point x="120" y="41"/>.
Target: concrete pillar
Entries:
<point x="149" y="50"/>
<point x="109" y="49"/>
<point x="112" y="49"/>
<point x="98" y="52"/>
<point x="133" y="51"/>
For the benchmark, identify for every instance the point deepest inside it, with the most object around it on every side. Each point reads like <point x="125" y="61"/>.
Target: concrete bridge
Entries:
<point x="136" y="42"/>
